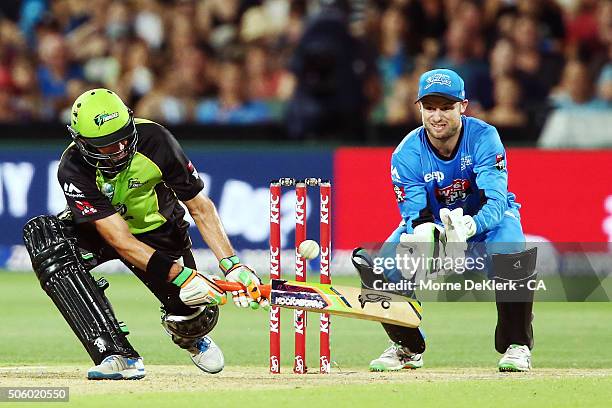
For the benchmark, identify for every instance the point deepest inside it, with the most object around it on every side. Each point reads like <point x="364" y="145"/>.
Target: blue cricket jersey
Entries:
<point x="474" y="178"/>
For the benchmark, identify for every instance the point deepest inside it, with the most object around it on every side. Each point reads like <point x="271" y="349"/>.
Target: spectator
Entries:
<point x="26" y="97"/>
<point x="148" y="23"/>
<point x="502" y="59"/>
<point x="195" y="68"/>
<point x="460" y="58"/>
<point x="582" y="30"/>
<point x="577" y="110"/>
<point x="138" y="77"/>
<point x="400" y="102"/>
<point x="31" y="13"/>
<point x="56" y="69"/>
<point x="336" y="79"/>
<point x="577" y="128"/>
<point x="604" y="83"/>
<point x="540" y="70"/>
<point x="548" y="15"/>
<point x="433" y="22"/>
<point x="263" y="78"/>
<point x="506" y="111"/>
<point x="137" y="46"/>
<point x="576" y="89"/>
<point x="232" y="105"/>
<point x="118" y="20"/>
<point x="168" y="102"/>
<point x="393" y="61"/>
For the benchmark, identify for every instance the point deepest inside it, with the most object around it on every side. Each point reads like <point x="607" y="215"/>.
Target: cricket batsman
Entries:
<point x="451" y="184"/>
<point x="123" y="178"/>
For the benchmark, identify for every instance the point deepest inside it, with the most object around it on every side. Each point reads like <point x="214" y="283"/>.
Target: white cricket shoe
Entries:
<point x="396" y="358"/>
<point x="516" y="358"/>
<point x="117" y="367"/>
<point x="207" y="356"/>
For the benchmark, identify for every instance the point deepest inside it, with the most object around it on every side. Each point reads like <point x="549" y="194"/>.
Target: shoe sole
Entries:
<point x="96" y="375"/>
<point x="381" y="368"/>
<point x="511" y="368"/>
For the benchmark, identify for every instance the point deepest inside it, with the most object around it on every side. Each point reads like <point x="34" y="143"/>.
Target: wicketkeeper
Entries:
<point x="123" y="178"/>
<point x="451" y="183"/>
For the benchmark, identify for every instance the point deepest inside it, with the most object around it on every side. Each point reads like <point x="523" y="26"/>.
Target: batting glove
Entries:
<point x="197" y="289"/>
<point x="237" y="272"/>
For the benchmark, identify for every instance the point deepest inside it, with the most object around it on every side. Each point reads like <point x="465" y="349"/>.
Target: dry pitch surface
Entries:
<point x="162" y="378"/>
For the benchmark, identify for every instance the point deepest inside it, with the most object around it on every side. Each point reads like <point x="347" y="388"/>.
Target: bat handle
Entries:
<point x="236" y="286"/>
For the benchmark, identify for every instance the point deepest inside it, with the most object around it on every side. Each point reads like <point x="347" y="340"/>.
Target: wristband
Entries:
<point x="159" y="265"/>
<point x="229" y="263"/>
<point x="183" y="277"/>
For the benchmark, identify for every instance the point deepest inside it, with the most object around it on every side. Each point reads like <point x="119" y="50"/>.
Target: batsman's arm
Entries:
<point x="195" y="288"/>
<point x="116" y="233"/>
<point x="204" y="213"/>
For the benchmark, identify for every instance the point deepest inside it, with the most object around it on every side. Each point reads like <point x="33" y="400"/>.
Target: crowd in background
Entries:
<point x="244" y="61"/>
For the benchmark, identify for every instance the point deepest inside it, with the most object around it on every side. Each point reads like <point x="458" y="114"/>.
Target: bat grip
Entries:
<point x="236" y="286"/>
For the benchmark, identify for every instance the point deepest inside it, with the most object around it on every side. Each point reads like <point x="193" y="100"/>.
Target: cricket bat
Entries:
<point x="366" y="304"/>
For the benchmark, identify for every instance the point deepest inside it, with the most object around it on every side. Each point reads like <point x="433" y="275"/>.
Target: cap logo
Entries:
<point x="441" y="79"/>
<point x="102" y="118"/>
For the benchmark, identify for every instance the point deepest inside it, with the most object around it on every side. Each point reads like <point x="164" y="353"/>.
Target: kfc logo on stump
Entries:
<point x="457" y="191"/>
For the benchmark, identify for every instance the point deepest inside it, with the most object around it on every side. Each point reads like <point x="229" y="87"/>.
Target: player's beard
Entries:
<point x="448" y="132"/>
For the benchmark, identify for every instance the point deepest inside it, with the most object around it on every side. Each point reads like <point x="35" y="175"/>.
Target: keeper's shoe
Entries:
<point x="396" y="358"/>
<point x="516" y="358"/>
<point x="116" y="367"/>
<point x="207" y="356"/>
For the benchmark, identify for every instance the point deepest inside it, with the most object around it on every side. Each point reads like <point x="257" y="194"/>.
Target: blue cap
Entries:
<point x="441" y="82"/>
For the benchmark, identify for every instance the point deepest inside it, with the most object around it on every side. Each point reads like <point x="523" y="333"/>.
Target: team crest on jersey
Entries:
<point x="400" y="194"/>
<point x="459" y="190"/>
<point x="500" y="162"/>
<point x="466" y="161"/>
<point x="135" y="183"/>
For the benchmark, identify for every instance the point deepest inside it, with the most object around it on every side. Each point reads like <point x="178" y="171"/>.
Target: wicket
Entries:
<point x="300" y="319"/>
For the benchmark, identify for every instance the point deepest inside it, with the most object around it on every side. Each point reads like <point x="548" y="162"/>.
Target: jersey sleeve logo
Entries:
<point x="85" y="207"/>
<point x="395" y="177"/>
<point x="459" y="190"/>
<point x="70" y="190"/>
<point x="400" y="194"/>
<point x="192" y="170"/>
<point x="500" y="162"/>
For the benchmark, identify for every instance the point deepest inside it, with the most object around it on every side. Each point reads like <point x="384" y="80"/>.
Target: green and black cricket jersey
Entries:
<point x="146" y="193"/>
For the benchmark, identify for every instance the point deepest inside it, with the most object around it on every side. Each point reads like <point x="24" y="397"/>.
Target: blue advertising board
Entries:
<point x="236" y="180"/>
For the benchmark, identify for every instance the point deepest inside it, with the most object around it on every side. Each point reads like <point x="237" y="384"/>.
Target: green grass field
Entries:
<point x="572" y="358"/>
